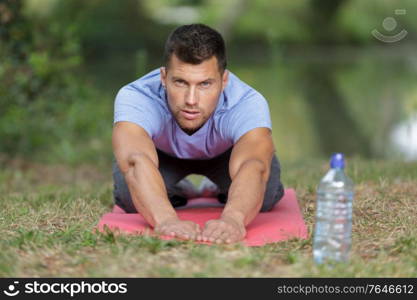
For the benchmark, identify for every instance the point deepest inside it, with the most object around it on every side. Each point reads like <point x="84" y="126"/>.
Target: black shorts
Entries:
<point x="174" y="169"/>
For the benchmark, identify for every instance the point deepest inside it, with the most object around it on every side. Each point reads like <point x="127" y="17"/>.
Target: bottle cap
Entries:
<point x="337" y="161"/>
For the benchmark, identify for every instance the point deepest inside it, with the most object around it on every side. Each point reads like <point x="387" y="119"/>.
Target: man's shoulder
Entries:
<point x="150" y="82"/>
<point x="147" y="88"/>
<point x="143" y="95"/>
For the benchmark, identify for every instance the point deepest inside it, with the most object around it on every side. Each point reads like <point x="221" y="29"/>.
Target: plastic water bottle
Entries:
<point x="332" y="236"/>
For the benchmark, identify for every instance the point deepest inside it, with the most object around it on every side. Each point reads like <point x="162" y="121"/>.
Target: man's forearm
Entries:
<point x="246" y="193"/>
<point x="148" y="191"/>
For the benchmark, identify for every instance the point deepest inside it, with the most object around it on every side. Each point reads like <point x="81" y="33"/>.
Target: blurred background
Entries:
<point x="339" y="75"/>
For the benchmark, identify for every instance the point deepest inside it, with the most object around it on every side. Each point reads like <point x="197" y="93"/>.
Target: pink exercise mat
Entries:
<point x="283" y="222"/>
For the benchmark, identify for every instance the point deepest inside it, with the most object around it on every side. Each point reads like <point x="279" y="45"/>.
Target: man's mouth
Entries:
<point x="190" y="114"/>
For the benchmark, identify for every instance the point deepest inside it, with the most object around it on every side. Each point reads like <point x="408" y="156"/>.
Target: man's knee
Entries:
<point x="123" y="198"/>
<point x="121" y="193"/>
<point x="274" y="189"/>
<point x="273" y="199"/>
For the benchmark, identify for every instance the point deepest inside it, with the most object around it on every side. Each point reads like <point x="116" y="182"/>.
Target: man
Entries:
<point x="194" y="116"/>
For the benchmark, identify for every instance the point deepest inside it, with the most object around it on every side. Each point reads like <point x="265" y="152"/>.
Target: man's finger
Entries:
<point x="207" y="232"/>
<point x="183" y="233"/>
<point x="189" y="234"/>
<point x="226" y="236"/>
<point x="208" y="228"/>
<point x="216" y="234"/>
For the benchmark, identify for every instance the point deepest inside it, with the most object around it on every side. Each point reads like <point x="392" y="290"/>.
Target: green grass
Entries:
<point x="48" y="214"/>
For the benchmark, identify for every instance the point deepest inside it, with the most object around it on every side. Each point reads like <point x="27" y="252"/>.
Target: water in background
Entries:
<point x="358" y="101"/>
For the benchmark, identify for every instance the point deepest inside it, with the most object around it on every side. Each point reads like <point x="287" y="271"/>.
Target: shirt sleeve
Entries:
<point x="251" y="112"/>
<point x="133" y="106"/>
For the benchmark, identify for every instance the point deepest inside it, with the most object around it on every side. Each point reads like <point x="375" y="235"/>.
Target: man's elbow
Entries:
<point x="256" y="165"/>
<point x="133" y="160"/>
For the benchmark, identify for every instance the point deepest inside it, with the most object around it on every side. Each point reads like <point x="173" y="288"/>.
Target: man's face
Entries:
<point x="193" y="91"/>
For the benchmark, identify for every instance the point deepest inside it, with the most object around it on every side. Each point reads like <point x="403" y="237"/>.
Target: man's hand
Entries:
<point x="223" y="230"/>
<point x="177" y="228"/>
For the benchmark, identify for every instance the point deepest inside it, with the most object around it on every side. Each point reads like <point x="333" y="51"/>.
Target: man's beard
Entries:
<point x="191" y="130"/>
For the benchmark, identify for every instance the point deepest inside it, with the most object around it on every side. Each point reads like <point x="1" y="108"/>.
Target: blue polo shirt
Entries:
<point x="239" y="110"/>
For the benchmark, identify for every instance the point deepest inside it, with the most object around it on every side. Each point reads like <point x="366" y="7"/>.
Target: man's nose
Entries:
<point x="191" y="97"/>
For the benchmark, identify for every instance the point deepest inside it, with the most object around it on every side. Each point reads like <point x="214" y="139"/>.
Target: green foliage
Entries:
<point x="45" y="105"/>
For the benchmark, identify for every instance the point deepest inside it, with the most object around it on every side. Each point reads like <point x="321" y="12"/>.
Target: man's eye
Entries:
<point x="180" y="82"/>
<point x="205" y="84"/>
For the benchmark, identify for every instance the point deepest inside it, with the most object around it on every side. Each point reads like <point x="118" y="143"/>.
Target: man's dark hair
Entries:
<point x="194" y="44"/>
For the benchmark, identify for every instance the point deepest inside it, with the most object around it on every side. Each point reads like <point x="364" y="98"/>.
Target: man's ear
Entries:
<point x="225" y="78"/>
<point x="163" y="75"/>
